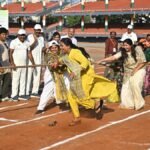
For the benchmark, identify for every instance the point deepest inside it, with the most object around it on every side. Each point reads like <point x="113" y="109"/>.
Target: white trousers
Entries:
<point x="35" y="75"/>
<point x="18" y="82"/>
<point x="131" y="96"/>
<point x="49" y="92"/>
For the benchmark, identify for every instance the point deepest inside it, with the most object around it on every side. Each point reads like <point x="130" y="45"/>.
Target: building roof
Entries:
<point x="98" y="8"/>
<point x="31" y="9"/>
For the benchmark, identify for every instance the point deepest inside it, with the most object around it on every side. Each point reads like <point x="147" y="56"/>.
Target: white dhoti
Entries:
<point x="48" y="92"/>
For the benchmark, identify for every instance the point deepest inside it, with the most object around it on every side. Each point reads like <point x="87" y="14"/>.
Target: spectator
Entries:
<point x="56" y="37"/>
<point x="129" y="35"/>
<point x="71" y="33"/>
<point x="37" y="56"/>
<point x="111" y="47"/>
<point x="5" y="75"/>
<point x="20" y="50"/>
<point x="111" y="44"/>
<point x="146" y="45"/>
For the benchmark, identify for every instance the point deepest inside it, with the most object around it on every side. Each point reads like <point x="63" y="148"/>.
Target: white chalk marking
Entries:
<point x="31" y="120"/>
<point x="93" y="131"/>
<point x="134" y="143"/>
<point x="4" y="119"/>
<point x="12" y="106"/>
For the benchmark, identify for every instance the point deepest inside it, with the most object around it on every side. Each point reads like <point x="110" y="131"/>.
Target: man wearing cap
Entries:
<point x="37" y="56"/>
<point x="71" y="33"/>
<point x="5" y="75"/>
<point x="129" y="35"/>
<point x="20" y="50"/>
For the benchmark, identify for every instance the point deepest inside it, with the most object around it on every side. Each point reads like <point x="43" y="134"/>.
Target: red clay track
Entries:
<point x="131" y="134"/>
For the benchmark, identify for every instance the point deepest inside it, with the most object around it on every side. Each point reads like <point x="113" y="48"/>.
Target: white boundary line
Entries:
<point x="31" y="120"/>
<point x="5" y="119"/>
<point x="12" y="106"/>
<point x="93" y="131"/>
<point x="134" y="143"/>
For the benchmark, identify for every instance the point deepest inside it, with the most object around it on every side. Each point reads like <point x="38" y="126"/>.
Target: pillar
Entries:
<point x="22" y="5"/>
<point x="22" y="22"/>
<point x="60" y="23"/>
<point x="60" y="4"/>
<point x="82" y="4"/>
<point x="44" y="21"/>
<point x="44" y="4"/>
<point x="82" y="23"/>
<point x="132" y="4"/>
<point x="106" y="4"/>
<point x="106" y="23"/>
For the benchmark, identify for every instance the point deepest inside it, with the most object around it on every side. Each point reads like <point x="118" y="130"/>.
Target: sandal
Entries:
<point x="98" y="111"/>
<point x="74" y="122"/>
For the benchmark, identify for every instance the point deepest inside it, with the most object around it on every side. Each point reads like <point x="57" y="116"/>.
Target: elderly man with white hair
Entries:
<point x="34" y="74"/>
<point x="129" y="35"/>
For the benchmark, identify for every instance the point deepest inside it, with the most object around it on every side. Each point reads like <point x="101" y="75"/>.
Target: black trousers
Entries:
<point x="5" y="85"/>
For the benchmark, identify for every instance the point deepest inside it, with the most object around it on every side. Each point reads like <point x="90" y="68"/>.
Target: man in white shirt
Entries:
<point x="129" y="35"/>
<point x="20" y="51"/>
<point x="37" y="56"/>
<point x="71" y="33"/>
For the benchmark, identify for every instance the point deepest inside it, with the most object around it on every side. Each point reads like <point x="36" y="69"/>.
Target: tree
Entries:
<point x="76" y="20"/>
